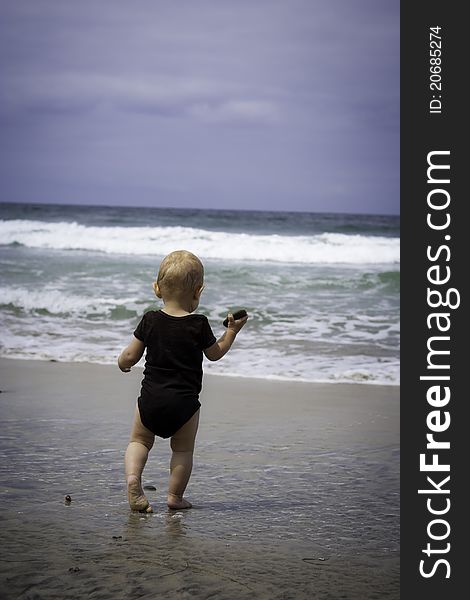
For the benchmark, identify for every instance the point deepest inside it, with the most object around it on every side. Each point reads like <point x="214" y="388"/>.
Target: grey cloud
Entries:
<point x="208" y="101"/>
<point x="277" y="103"/>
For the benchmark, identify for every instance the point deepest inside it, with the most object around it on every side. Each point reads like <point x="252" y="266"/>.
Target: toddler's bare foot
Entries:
<point x="177" y="502"/>
<point x="136" y="496"/>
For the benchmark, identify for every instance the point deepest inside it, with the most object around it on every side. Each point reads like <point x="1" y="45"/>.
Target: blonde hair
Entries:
<point x="181" y="272"/>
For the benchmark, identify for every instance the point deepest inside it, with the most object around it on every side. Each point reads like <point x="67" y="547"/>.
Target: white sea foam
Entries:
<point x="75" y="329"/>
<point x="325" y="248"/>
<point x="57" y="302"/>
<point x="358" y="369"/>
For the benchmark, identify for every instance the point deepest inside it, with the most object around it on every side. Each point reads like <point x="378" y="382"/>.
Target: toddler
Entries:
<point x="168" y="406"/>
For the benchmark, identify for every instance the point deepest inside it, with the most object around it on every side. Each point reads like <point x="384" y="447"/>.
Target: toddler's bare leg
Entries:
<point x="181" y="464"/>
<point x="137" y="452"/>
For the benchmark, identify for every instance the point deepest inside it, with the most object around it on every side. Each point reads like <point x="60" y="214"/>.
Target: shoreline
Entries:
<point x="279" y="379"/>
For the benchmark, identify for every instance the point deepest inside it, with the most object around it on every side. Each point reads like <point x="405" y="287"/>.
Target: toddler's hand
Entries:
<point x="235" y="326"/>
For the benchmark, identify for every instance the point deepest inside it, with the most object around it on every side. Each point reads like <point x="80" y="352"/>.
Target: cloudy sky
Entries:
<point x="250" y="104"/>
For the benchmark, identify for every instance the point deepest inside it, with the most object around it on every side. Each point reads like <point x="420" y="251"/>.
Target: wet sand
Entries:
<point x="295" y="491"/>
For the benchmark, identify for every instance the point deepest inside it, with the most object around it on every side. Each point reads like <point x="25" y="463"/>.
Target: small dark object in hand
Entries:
<point x="68" y="499"/>
<point x="236" y="315"/>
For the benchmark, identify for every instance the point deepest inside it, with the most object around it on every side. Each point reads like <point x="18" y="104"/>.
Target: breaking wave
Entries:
<point x="324" y="248"/>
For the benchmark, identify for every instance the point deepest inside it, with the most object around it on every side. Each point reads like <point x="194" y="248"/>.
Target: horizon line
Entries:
<point x="254" y="210"/>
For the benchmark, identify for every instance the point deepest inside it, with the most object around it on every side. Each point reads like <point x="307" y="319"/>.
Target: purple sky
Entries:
<point x="250" y="104"/>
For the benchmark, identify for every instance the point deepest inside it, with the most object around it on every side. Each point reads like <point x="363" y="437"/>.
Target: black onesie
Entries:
<point x="173" y="369"/>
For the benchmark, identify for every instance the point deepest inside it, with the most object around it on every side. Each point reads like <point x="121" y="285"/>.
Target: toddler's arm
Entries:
<point x="131" y="355"/>
<point x="224" y="343"/>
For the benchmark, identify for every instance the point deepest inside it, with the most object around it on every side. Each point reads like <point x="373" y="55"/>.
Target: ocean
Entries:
<point x="322" y="290"/>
